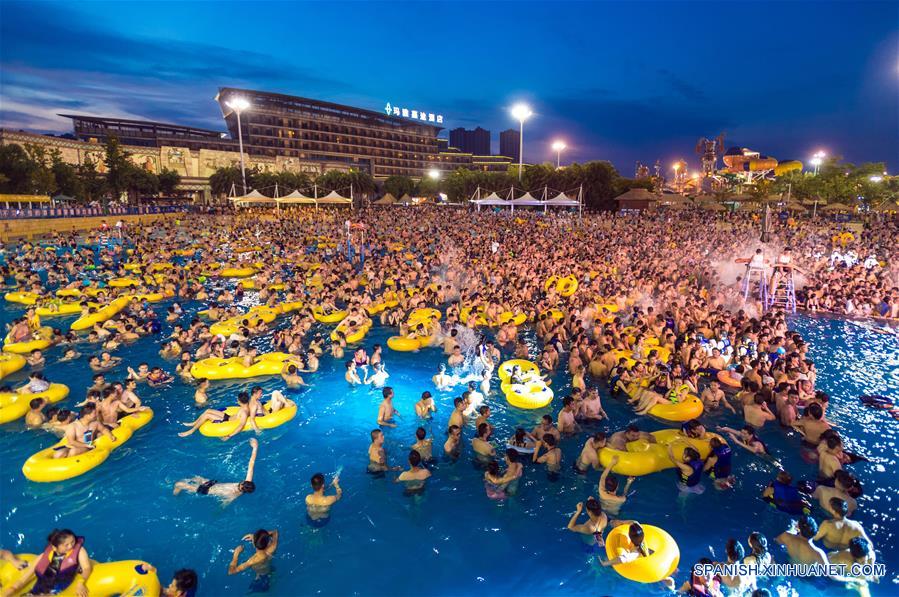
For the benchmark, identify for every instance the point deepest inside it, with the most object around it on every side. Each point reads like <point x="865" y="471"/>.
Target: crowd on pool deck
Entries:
<point x="651" y="313"/>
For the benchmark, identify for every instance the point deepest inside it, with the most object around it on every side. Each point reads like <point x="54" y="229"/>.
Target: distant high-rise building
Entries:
<point x="509" y="144"/>
<point x="442" y="144"/>
<point x="476" y="141"/>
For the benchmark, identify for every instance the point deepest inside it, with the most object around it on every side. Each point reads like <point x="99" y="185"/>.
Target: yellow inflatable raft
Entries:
<point x="516" y="319"/>
<point x="643" y="458"/>
<point x="10" y="363"/>
<point x="564" y="285"/>
<point x="688" y="408"/>
<point x="505" y="369"/>
<point x="69" y="293"/>
<point x="102" y="314"/>
<point x="236" y="272"/>
<point x="123" y="282"/>
<point x="425" y="316"/>
<point x="125" y="577"/>
<point x="334" y="317"/>
<point x="530" y="395"/>
<point x="663" y="558"/>
<point x="57" y="308"/>
<point x="357" y="336"/>
<point x="406" y="344"/>
<point x="23" y="298"/>
<point x="14" y="405"/>
<point x="268" y="421"/>
<point x="215" y="368"/>
<point x="43" y="468"/>
<point x="39" y="341"/>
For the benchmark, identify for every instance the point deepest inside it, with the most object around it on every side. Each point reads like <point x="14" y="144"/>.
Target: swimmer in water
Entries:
<point x="608" y="490"/>
<point x="377" y="454"/>
<point x="351" y="375"/>
<point x="378" y="377"/>
<point x="423" y="445"/>
<point x="441" y="379"/>
<point x="318" y="505"/>
<point x="226" y="492"/>
<point x="452" y="447"/>
<point x="415" y="477"/>
<point x="386" y="411"/>
<point x="425" y="406"/>
<point x="266" y="543"/>
<point x="290" y="376"/>
<point x="589" y="456"/>
<point x="553" y="457"/>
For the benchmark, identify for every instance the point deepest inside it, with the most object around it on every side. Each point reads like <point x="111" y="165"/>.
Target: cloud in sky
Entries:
<point x="619" y="81"/>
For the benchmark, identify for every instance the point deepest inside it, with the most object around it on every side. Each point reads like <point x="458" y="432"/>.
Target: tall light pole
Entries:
<point x="558" y="146"/>
<point x="521" y="112"/>
<point x="817" y="160"/>
<point x="239" y="104"/>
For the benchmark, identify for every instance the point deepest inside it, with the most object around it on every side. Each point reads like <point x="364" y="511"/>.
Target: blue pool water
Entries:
<point x="452" y="539"/>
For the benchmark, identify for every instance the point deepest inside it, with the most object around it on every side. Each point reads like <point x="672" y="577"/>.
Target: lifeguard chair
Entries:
<point x="756" y="270"/>
<point x="783" y="291"/>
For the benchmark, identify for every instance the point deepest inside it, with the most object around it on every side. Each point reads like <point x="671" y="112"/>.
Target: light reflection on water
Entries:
<point x="451" y="540"/>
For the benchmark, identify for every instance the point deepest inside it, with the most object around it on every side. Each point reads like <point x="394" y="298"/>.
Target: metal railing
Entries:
<point x="13" y="213"/>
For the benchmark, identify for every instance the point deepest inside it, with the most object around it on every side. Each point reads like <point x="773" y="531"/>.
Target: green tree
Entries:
<point x="334" y="180"/>
<point x="92" y="182"/>
<point x="398" y="185"/>
<point x="168" y="181"/>
<point x="224" y="179"/>
<point x="16" y="167"/>
<point x="138" y="182"/>
<point x="293" y="181"/>
<point x="118" y="168"/>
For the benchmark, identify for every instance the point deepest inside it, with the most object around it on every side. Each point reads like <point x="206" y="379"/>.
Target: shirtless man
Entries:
<point x="318" y="505"/>
<point x="608" y="490"/>
<point x="423" y="445"/>
<point x="290" y="376"/>
<point x="425" y="406"/>
<point x="481" y="444"/>
<point x="35" y="415"/>
<point x="712" y="397"/>
<point x="453" y="444"/>
<point x="386" y="411"/>
<point x="812" y="425"/>
<point x="415" y="477"/>
<point x="475" y="399"/>
<point x="553" y="457"/>
<point x="589" y="456"/>
<point x="838" y="531"/>
<point x="592" y="410"/>
<point x="632" y="433"/>
<point x="377" y="455"/>
<point x="243" y="417"/>
<point x="843" y="482"/>
<point x="351" y="375"/>
<point x="80" y="434"/>
<point x="457" y="417"/>
<point x="566" y="421"/>
<point x="441" y="379"/>
<point x="546" y="427"/>
<point x="226" y="492"/>
<point x="457" y="358"/>
<point x="799" y="542"/>
<point x="266" y="543"/>
<point x="756" y="413"/>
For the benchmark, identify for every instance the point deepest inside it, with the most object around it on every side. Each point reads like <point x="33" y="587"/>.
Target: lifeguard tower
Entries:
<point x="783" y="289"/>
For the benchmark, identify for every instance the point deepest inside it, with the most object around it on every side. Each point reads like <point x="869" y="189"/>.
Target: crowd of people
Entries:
<point x="657" y="315"/>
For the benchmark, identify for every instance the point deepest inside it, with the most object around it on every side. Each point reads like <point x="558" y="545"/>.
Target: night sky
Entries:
<point x="618" y="81"/>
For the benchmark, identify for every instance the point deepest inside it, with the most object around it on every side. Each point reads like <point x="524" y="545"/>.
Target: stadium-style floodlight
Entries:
<point x="239" y="104"/>
<point x="558" y="146"/>
<point x="521" y="112"/>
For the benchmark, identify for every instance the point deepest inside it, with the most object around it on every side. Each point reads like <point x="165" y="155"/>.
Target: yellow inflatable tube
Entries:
<point x="663" y="558"/>
<point x="123" y="282"/>
<point x="14" y="405"/>
<point x="505" y="369"/>
<point x="40" y="340"/>
<point x="643" y="458"/>
<point x="688" y="408"/>
<point x="516" y="318"/>
<point x="10" y="363"/>
<point x="268" y="421"/>
<point x="404" y="344"/>
<point x="41" y="467"/>
<point x="236" y="272"/>
<point x="215" y="368"/>
<point x="23" y="298"/>
<point x="102" y="314"/>
<point x="352" y="338"/>
<point x="466" y="313"/>
<point x="125" y="577"/>
<point x="425" y="315"/>
<point x="335" y="317"/>
<point x="69" y="292"/>
<point x="58" y="308"/>
<point x="529" y="395"/>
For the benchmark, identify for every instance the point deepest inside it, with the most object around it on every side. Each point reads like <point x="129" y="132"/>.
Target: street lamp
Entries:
<point x="817" y="160"/>
<point x="875" y="178"/>
<point x="434" y="174"/>
<point x="521" y="112"/>
<point x="239" y="104"/>
<point x="558" y="146"/>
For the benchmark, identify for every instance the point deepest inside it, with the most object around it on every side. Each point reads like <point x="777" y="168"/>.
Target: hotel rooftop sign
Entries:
<point x="421" y="115"/>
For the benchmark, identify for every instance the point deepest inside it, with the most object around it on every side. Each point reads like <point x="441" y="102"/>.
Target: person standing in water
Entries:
<point x="266" y="543"/>
<point x="318" y="505"/>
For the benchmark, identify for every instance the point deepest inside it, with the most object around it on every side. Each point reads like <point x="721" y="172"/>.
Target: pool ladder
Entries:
<point x="762" y="282"/>
<point x="784" y="295"/>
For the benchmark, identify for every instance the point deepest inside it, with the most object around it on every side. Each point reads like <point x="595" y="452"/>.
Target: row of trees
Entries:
<point x="841" y="181"/>
<point x="600" y="181"/>
<point x="36" y="170"/>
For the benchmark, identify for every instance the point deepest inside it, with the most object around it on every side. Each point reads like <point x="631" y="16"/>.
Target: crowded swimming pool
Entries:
<point x="451" y="538"/>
